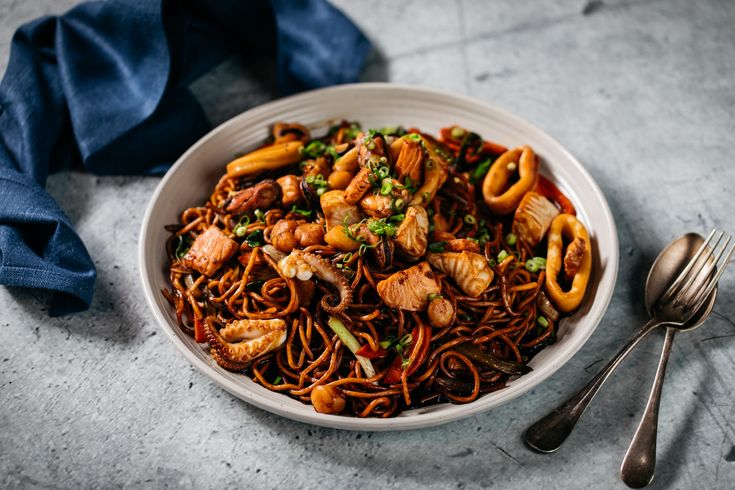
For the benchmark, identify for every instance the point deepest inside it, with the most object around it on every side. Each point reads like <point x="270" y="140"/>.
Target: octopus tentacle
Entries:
<point x="303" y="265"/>
<point x="242" y="341"/>
<point x="236" y="367"/>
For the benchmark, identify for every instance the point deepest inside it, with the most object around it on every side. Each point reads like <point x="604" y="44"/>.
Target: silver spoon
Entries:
<point x="639" y="463"/>
<point x="548" y="434"/>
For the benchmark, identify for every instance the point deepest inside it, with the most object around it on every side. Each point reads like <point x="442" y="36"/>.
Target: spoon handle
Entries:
<point x="639" y="463"/>
<point x="548" y="434"/>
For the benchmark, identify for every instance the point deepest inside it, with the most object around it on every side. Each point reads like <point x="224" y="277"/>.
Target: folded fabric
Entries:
<point x="106" y="85"/>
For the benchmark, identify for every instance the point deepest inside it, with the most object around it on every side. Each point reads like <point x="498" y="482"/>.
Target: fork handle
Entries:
<point x="548" y="434"/>
<point x="639" y="463"/>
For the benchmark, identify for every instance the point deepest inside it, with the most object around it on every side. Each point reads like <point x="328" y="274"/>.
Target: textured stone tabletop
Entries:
<point x="642" y="92"/>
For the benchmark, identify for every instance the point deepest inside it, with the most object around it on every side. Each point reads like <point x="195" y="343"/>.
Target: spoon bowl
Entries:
<point x="664" y="271"/>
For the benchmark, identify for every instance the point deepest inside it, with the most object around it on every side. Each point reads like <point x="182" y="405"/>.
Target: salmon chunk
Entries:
<point x="573" y="258"/>
<point x="209" y="251"/>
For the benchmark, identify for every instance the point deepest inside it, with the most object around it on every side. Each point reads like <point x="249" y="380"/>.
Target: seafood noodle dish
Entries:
<point x="370" y="271"/>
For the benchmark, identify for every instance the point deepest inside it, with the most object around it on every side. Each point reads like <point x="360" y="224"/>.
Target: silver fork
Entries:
<point x="686" y="295"/>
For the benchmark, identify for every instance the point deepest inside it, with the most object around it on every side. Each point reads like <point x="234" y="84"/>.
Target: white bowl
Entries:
<point x="192" y="178"/>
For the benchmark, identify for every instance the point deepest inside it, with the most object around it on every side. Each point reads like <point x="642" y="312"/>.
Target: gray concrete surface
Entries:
<point x="642" y="92"/>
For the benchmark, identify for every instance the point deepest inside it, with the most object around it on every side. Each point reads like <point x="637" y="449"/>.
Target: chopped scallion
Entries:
<point x="437" y="247"/>
<point x="479" y="172"/>
<point x="535" y="264"/>
<point x="351" y="343"/>
<point x="242" y="226"/>
<point x="302" y="212"/>
<point x="458" y="133"/>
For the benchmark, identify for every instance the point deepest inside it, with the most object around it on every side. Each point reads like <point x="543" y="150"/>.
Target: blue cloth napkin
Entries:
<point x="105" y="85"/>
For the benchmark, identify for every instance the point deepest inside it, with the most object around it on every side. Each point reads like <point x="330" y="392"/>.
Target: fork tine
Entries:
<point x="709" y="267"/>
<point x="684" y="279"/>
<point x="703" y="294"/>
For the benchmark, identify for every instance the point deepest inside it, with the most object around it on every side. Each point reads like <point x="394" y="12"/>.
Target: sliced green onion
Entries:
<point x="399" y="204"/>
<point x="511" y="239"/>
<point x="479" y="172"/>
<point x="414" y="137"/>
<point x="302" y="212"/>
<point x="469" y="219"/>
<point x="502" y="255"/>
<point x="387" y="187"/>
<point x="332" y="152"/>
<point x="430" y="164"/>
<point x="351" y="342"/>
<point x="458" y="133"/>
<point x="398" y="217"/>
<point x="389" y="230"/>
<point x="242" y="226"/>
<point x="347" y="257"/>
<point x="278" y="380"/>
<point x="434" y="296"/>
<point x="385" y="344"/>
<point x="344" y="334"/>
<point x="541" y="320"/>
<point x="321" y="190"/>
<point x="314" y="149"/>
<point x="352" y="132"/>
<point x="376" y="227"/>
<point x="259" y="215"/>
<point x="492" y="263"/>
<point x="383" y="161"/>
<point x="383" y="172"/>
<point x="437" y="246"/>
<point x="535" y="264"/>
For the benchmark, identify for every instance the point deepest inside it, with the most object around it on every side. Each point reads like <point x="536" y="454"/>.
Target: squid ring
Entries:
<point x="569" y="227"/>
<point x="499" y="199"/>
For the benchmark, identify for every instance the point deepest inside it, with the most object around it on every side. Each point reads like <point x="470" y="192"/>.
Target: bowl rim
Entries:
<point x="411" y="421"/>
